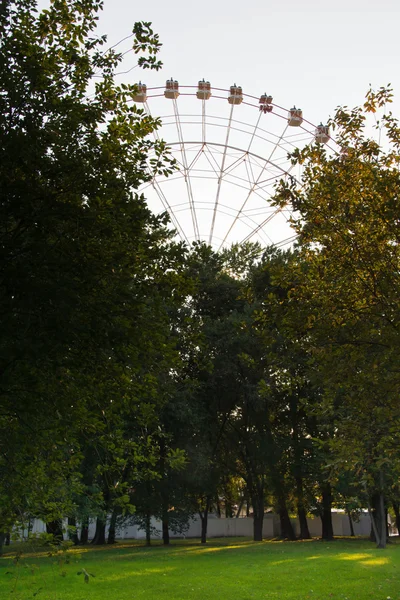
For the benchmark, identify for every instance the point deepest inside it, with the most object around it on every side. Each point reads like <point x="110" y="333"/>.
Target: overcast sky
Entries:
<point x="315" y="54"/>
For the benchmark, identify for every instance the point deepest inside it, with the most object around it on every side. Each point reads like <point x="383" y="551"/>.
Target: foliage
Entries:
<point x="348" y="273"/>
<point x="86" y="575"/>
<point x="86" y="271"/>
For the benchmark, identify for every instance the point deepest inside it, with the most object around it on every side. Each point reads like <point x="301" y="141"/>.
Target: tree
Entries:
<point x="86" y="271"/>
<point x="348" y="209"/>
<point x="220" y="307"/>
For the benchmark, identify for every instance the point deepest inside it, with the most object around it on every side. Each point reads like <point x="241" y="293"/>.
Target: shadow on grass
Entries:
<point x="340" y="549"/>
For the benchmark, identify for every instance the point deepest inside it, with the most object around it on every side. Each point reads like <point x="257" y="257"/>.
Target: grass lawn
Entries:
<point x="225" y="569"/>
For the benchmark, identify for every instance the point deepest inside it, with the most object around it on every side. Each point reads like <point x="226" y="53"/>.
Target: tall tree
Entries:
<point x="86" y="271"/>
<point x="348" y="211"/>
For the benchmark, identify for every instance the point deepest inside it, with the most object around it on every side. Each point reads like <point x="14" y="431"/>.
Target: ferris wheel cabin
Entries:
<point x="295" y="117"/>
<point x="322" y="134"/>
<point x="204" y="90"/>
<point x="265" y="103"/>
<point x="141" y="94"/>
<point x="236" y="94"/>
<point x="171" y="89"/>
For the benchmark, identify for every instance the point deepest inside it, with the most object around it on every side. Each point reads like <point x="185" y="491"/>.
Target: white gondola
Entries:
<point x="322" y="134"/>
<point x="265" y="103"/>
<point x="204" y="90"/>
<point x="295" y="117"/>
<point x="171" y="89"/>
<point x="236" y="94"/>
<point x="141" y="94"/>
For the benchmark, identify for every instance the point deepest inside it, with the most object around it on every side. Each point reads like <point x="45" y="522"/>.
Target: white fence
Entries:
<point x="340" y="523"/>
<point x="242" y="527"/>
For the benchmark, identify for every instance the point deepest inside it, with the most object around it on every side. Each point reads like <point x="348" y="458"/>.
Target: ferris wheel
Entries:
<point x="231" y="149"/>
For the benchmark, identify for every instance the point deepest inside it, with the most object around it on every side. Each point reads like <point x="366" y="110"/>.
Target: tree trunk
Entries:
<point x="304" y="531"/>
<point x="165" y="518"/>
<point x="287" y="532"/>
<point x="228" y="510"/>
<point x="258" y="522"/>
<point x="396" y="508"/>
<point x="54" y="528"/>
<point x="387" y="524"/>
<point x="239" y="510"/>
<point x="30" y="526"/>
<point x="326" y="517"/>
<point x="73" y="533"/>
<point x="85" y="531"/>
<point x="165" y="531"/>
<point x="382" y="514"/>
<point x="204" y="520"/>
<point x="148" y="528"/>
<point x="100" y="534"/>
<point x="350" y="522"/>
<point x="2" y="540"/>
<point x="204" y="523"/>
<point x="301" y="511"/>
<point x="247" y="507"/>
<point x="112" y="527"/>
<point x="372" y="511"/>
<point x="376" y="510"/>
<point x="257" y="501"/>
<point x="164" y="494"/>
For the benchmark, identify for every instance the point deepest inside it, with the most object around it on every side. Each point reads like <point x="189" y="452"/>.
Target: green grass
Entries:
<point x="225" y="569"/>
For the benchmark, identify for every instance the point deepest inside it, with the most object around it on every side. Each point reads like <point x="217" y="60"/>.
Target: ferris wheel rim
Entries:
<point x="273" y="104"/>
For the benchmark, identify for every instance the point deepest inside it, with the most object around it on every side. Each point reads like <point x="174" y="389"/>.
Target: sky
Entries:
<point x="314" y="55"/>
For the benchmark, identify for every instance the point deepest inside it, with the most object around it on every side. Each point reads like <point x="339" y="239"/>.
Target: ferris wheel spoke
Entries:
<point x="261" y="226"/>
<point x="248" y="220"/>
<point x="286" y="242"/>
<point x="155" y="131"/>
<point x="277" y="145"/>
<point x="265" y="183"/>
<point x="265" y="197"/>
<point x="250" y="167"/>
<point x="186" y="172"/>
<point x="195" y="160"/>
<point x="207" y="155"/>
<point x="228" y="131"/>
<point x="157" y="188"/>
<point x="249" y="195"/>
<point x="254" y="132"/>
<point x="250" y="174"/>
<point x="169" y="209"/>
<point x="252" y="189"/>
<point x="203" y="121"/>
<point x="234" y="165"/>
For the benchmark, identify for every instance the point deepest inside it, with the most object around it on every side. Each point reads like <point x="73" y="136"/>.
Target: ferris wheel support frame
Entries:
<point x="255" y="183"/>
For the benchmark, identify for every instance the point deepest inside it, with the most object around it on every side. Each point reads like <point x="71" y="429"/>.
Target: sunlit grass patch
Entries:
<point x="233" y="568"/>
